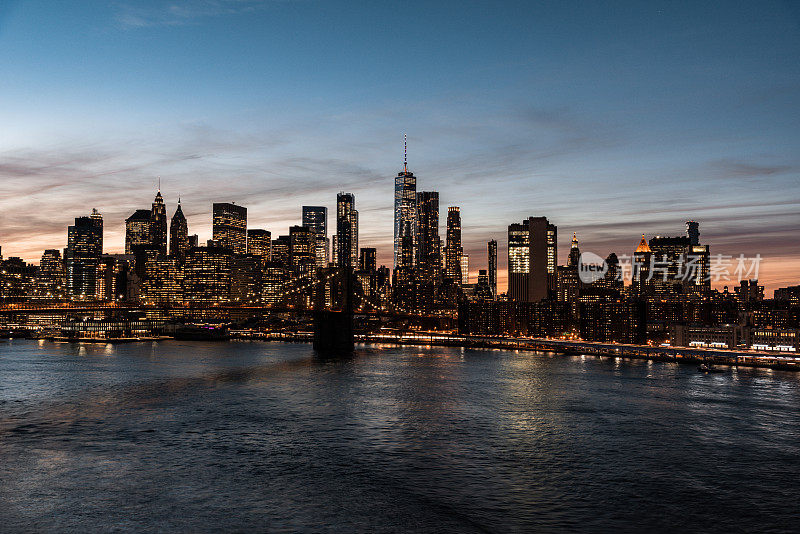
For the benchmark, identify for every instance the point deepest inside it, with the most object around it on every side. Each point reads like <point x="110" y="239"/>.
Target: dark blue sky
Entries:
<point x="611" y="119"/>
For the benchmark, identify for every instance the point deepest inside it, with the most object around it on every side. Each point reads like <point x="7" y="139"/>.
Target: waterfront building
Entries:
<point x="230" y="226"/>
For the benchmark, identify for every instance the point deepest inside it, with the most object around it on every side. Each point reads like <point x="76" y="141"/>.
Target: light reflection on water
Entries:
<point x="260" y="436"/>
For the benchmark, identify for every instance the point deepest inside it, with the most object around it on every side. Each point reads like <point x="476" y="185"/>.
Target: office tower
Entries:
<point x="82" y="255"/>
<point x="693" y="232"/>
<point x="259" y="243"/>
<point x="532" y="253"/>
<point x="429" y="254"/>
<point x="280" y="251"/>
<point x="178" y="235"/>
<point x="492" y="264"/>
<point x="346" y="230"/>
<point x="368" y="260"/>
<point x="453" y="248"/>
<point x="207" y="275"/>
<point x="194" y="240"/>
<point x="301" y="249"/>
<point x="230" y="227"/>
<point x="274" y="279"/>
<point x="335" y="250"/>
<point x="642" y="257"/>
<point x="246" y="276"/>
<point x="162" y="279"/>
<point x="137" y="230"/>
<point x="574" y="252"/>
<point x="464" y="269"/>
<point x="50" y="279"/>
<point x="158" y="224"/>
<point x="483" y="290"/>
<point x="316" y="219"/>
<point x="405" y="214"/>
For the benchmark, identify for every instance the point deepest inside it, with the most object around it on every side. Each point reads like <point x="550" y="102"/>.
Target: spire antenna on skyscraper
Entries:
<point x="405" y="153"/>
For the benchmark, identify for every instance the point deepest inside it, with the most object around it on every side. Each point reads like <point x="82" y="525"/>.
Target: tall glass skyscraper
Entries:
<point x="453" y="248"/>
<point x="405" y="214"/>
<point x="346" y="230"/>
<point x="492" y="278"/>
<point x="315" y="218"/>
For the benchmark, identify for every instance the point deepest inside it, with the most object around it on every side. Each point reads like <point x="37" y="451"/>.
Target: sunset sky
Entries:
<point x="612" y="119"/>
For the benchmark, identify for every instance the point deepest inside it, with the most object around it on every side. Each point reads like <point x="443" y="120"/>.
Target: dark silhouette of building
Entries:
<point x="178" y="235"/>
<point x="532" y="254"/>
<point x="429" y="255"/>
<point x="492" y="266"/>
<point x="158" y="224"/>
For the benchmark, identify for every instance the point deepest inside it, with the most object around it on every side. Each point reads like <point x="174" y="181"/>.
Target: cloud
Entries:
<point x="182" y="12"/>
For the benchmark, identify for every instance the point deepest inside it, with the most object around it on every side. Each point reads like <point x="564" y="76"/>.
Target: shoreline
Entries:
<point x="568" y="348"/>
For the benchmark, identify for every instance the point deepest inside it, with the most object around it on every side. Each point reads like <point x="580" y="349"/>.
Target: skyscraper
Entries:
<point x="178" y="235"/>
<point x="492" y="263"/>
<point x="230" y="227"/>
<point x="137" y="230"/>
<point x="315" y="218"/>
<point x="158" y="224"/>
<point x="346" y="230"/>
<point x="532" y="253"/>
<point x="367" y="262"/>
<point x="259" y="243"/>
<point x="301" y="248"/>
<point x="453" y="248"/>
<point x="405" y="214"/>
<point x="429" y="254"/>
<point x="82" y="255"/>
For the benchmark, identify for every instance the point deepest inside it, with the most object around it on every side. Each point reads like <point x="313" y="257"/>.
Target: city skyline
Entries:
<point x="563" y="112"/>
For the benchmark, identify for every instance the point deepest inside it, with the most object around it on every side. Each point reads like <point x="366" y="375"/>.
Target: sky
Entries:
<point x="612" y="119"/>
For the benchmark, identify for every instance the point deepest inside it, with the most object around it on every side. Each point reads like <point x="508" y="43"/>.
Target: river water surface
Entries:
<point x="260" y="436"/>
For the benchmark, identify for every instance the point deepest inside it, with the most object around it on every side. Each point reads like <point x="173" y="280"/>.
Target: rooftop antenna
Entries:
<point x="405" y="153"/>
<point x="159" y="184"/>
